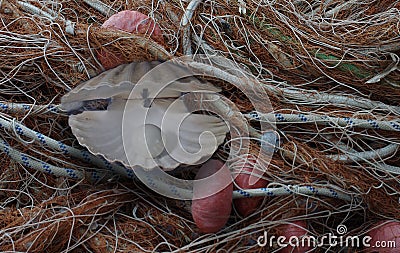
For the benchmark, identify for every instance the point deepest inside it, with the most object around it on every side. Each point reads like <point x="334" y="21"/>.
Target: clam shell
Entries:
<point x="120" y="82"/>
<point x="137" y="133"/>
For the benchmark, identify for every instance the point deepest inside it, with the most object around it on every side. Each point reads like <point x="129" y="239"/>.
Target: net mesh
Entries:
<point x="323" y="48"/>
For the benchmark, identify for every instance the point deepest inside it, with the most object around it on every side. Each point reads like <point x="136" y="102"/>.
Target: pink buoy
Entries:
<point x="248" y="177"/>
<point x="294" y="232"/>
<point x="212" y="197"/>
<point x="385" y="237"/>
<point x="132" y="22"/>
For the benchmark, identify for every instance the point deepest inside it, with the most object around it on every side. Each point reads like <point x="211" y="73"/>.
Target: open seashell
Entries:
<point x="143" y="124"/>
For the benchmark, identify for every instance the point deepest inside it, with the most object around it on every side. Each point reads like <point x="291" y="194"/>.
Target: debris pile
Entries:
<point x="329" y="69"/>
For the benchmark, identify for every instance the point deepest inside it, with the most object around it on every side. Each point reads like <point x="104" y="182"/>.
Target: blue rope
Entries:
<point x="16" y="108"/>
<point x="294" y="189"/>
<point x="83" y="155"/>
<point x="323" y="119"/>
<point x="34" y="163"/>
<point x="96" y="176"/>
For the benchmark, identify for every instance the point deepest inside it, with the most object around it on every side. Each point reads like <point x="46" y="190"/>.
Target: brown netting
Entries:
<point x="328" y="47"/>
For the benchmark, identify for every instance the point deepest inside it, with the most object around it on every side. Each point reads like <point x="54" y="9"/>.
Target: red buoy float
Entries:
<point x="212" y="197"/>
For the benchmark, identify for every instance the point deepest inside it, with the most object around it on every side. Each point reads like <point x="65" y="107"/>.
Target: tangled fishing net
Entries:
<point x="330" y="69"/>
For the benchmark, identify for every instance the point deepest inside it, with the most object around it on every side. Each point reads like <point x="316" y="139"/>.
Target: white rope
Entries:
<point x="101" y="7"/>
<point x="22" y="108"/>
<point x="387" y="168"/>
<point x="154" y="181"/>
<point x="96" y="175"/>
<point x="309" y="97"/>
<point x="305" y="97"/>
<point x="367" y="155"/>
<point x="35" y="10"/>
<point x="293" y="189"/>
<point x="83" y="155"/>
<point x="37" y="164"/>
<point x="69" y="25"/>
<point x="324" y="119"/>
<point x="185" y="24"/>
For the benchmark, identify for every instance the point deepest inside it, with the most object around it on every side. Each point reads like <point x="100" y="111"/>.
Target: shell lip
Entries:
<point x="133" y="166"/>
